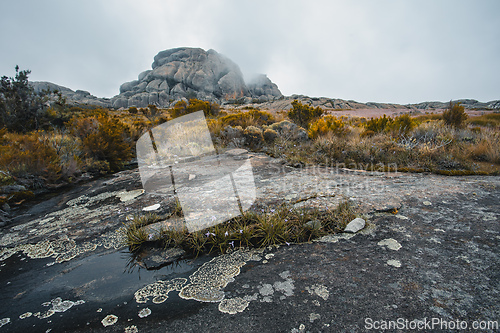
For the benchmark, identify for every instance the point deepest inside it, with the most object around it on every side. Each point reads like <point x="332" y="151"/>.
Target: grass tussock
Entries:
<point x="282" y="225"/>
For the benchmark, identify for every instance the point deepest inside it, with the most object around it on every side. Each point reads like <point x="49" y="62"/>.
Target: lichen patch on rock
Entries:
<point x="395" y="263"/>
<point x="208" y="282"/>
<point x="129" y="195"/>
<point x="390" y="243"/>
<point x="158" y="290"/>
<point x="144" y="313"/>
<point x="319" y="290"/>
<point x="57" y="305"/>
<point x="233" y="305"/>
<point x="109" y="320"/>
<point x="4" y="321"/>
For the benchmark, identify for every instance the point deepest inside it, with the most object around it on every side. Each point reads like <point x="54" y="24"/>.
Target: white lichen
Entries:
<point x="208" y="282"/>
<point x="391" y="244"/>
<point x="266" y="289"/>
<point x="129" y="195"/>
<point x="233" y="305"/>
<point x="287" y="286"/>
<point x="158" y="290"/>
<point x="334" y="238"/>
<point x="319" y="290"/>
<point x="57" y="305"/>
<point x="109" y="320"/>
<point x="4" y="321"/>
<point x="131" y="329"/>
<point x="144" y="313"/>
<point x="25" y="315"/>
<point x="314" y="316"/>
<point x="395" y="263"/>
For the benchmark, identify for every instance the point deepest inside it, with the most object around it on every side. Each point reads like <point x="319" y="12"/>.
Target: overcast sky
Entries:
<point x="382" y="51"/>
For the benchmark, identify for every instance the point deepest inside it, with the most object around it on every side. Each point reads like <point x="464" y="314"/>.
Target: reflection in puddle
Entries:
<point x="106" y="276"/>
<point x="104" y="281"/>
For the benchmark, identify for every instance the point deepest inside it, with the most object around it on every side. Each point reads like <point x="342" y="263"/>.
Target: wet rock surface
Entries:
<point x="429" y="250"/>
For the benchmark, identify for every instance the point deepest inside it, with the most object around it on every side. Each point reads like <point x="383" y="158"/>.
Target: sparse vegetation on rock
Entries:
<point x="281" y="225"/>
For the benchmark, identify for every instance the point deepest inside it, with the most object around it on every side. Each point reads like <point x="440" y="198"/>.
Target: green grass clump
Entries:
<point x="282" y="225"/>
<point x="135" y="234"/>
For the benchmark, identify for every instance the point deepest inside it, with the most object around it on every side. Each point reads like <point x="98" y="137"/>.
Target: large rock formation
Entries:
<point x="207" y="75"/>
<point x="192" y="72"/>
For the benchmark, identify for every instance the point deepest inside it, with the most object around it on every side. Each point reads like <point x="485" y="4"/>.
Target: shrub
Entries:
<point x="270" y="135"/>
<point x="29" y="155"/>
<point x="378" y="125"/>
<point x="104" y="138"/>
<point x="133" y="110"/>
<point x="325" y="125"/>
<point x="253" y="136"/>
<point x="193" y="105"/>
<point x="455" y="115"/>
<point x="290" y="131"/>
<point x="303" y="114"/>
<point x="402" y="124"/>
<point x="250" y="118"/>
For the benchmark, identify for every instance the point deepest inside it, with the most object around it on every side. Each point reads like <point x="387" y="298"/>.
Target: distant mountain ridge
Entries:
<point x="195" y="73"/>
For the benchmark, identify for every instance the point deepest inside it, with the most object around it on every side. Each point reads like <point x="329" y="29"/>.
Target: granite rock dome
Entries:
<point x="192" y="72"/>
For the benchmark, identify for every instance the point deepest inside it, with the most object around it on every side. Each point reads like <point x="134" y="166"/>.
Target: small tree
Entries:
<point x="20" y="107"/>
<point x="455" y="115"/>
<point x="303" y="114"/>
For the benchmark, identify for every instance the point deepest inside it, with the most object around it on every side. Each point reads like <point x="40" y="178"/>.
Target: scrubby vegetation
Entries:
<point x="45" y="143"/>
<point x="303" y="114"/>
<point x="282" y="225"/>
<point x="455" y="115"/>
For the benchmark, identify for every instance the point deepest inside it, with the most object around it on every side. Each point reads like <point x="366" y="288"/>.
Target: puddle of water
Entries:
<point x="107" y="276"/>
<point x="106" y="280"/>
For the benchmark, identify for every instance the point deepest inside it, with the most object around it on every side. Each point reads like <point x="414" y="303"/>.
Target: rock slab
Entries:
<point x="355" y="225"/>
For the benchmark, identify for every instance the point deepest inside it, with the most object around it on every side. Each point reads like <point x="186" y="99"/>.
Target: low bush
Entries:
<point x="378" y="125"/>
<point x="193" y="105"/>
<point x="253" y="136"/>
<point x="255" y="118"/>
<point x="455" y="115"/>
<point x="30" y="154"/>
<point x="402" y="124"/>
<point x="103" y="138"/>
<point x="270" y="135"/>
<point x="325" y="125"/>
<point x="303" y="114"/>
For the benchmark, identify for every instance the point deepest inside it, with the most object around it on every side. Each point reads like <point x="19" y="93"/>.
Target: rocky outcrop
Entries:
<point x="466" y="103"/>
<point x="207" y="75"/>
<point x="192" y="72"/>
<point x="264" y="88"/>
<point x="79" y="96"/>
